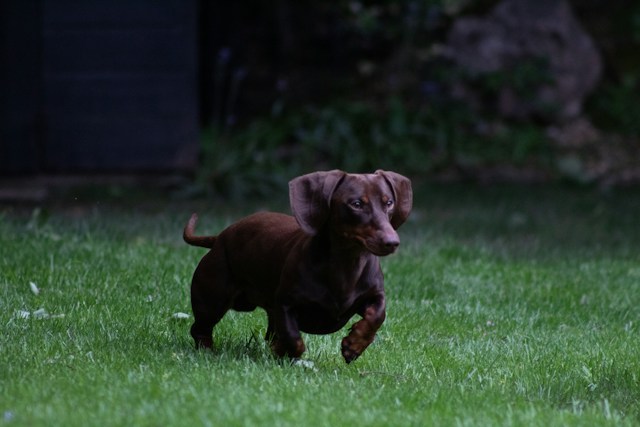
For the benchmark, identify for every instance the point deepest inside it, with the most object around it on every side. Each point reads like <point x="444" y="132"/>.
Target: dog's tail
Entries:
<point x="202" y="241"/>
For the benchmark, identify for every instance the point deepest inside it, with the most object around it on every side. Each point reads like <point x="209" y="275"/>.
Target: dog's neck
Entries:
<point x="346" y="260"/>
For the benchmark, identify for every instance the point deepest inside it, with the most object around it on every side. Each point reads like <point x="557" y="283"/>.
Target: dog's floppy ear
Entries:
<point x="403" y="194"/>
<point x="310" y="196"/>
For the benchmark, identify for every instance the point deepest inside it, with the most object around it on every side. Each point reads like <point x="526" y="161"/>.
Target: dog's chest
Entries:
<point x="325" y="315"/>
<point x="335" y="296"/>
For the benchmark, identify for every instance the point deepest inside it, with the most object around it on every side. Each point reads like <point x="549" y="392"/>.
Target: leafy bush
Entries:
<point x="353" y="136"/>
<point x="615" y="107"/>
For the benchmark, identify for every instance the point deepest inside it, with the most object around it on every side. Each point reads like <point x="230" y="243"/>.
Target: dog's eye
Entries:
<point x="389" y="204"/>
<point x="357" y="204"/>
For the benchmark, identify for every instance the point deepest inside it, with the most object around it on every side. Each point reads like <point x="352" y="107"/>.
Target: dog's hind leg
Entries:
<point x="211" y="298"/>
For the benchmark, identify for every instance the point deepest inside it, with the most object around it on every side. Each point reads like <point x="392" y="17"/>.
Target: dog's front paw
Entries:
<point x="359" y="338"/>
<point x="348" y="351"/>
<point x="353" y="346"/>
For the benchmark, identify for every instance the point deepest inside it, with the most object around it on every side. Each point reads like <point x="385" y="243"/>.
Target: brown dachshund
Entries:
<point x="311" y="272"/>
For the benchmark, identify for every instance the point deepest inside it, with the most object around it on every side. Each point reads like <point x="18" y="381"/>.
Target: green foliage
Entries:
<point x="506" y="306"/>
<point x="521" y="81"/>
<point x="389" y="102"/>
<point x="515" y="145"/>
<point x="615" y="107"/>
<point x="369" y="85"/>
<point x="353" y="136"/>
<point x="524" y="78"/>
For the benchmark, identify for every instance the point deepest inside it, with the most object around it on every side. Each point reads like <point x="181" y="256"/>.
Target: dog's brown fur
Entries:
<point x="311" y="272"/>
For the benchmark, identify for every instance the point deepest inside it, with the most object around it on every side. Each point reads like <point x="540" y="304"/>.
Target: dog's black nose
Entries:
<point x="391" y="241"/>
<point x="392" y="244"/>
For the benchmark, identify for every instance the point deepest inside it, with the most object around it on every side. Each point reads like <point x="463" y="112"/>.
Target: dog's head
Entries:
<point x="365" y="208"/>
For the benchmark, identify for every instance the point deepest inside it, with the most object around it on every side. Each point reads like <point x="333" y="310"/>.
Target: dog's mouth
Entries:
<point x="378" y="246"/>
<point x="381" y="250"/>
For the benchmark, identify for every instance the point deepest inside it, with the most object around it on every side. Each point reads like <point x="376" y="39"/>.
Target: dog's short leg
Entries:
<point x="207" y="313"/>
<point x="364" y="331"/>
<point x="211" y="298"/>
<point x="284" y="335"/>
<point x="205" y="319"/>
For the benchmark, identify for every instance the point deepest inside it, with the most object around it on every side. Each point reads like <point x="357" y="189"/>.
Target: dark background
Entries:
<point x="240" y="96"/>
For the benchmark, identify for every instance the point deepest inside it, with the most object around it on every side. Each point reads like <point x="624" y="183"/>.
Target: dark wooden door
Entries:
<point x="114" y="88"/>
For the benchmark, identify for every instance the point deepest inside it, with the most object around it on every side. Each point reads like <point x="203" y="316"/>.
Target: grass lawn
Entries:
<point x="506" y="306"/>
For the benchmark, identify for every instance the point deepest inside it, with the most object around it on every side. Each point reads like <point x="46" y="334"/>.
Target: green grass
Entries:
<point x="507" y="306"/>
